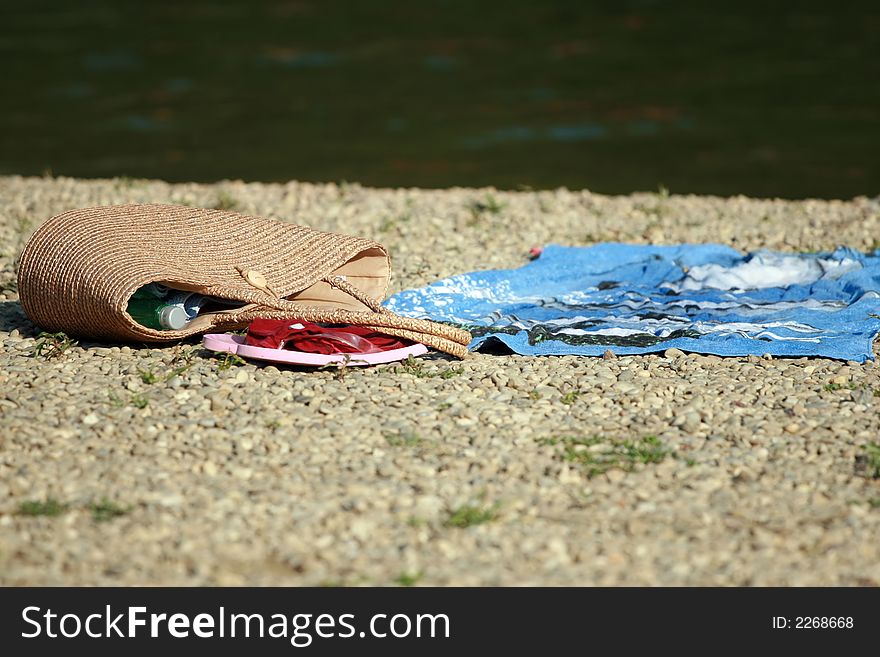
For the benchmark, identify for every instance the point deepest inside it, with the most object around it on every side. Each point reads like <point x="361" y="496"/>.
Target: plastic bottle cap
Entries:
<point x="173" y="317"/>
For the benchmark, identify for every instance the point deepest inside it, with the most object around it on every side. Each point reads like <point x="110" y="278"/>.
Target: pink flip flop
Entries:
<point x="235" y="344"/>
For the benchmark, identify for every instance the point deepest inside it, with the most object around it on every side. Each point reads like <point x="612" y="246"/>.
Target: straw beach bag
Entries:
<point x="80" y="268"/>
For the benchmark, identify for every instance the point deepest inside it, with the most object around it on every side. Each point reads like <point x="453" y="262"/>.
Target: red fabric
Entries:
<point x="316" y="339"/>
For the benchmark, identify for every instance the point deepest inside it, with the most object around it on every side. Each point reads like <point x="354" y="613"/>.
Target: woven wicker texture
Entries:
<point x="80" y="268"/>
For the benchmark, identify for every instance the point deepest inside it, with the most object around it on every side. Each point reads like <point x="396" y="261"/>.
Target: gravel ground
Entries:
<point x="137" y="465"/>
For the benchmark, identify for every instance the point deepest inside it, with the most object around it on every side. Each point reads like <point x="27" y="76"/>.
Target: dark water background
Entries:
<point x="760" y="98"/>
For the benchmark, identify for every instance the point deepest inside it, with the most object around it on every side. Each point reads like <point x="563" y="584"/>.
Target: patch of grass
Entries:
<point x="469" y="516"/>
<point x="187" y="353"/>
<point x="489" y="204"/>
<point x="868" y="463"/>
<point x="598" y="455"/>
<point x="342" y="368"/>
<point x="535" y="395"/>
<point x="416" y="368"/>
<point x="874" y="502"/>
<point x="49" y="508"/>
<point x="404" y="440"/>
<point x="226" y="201"/>
<point x="662" y="191"/>
<point x="148" y="376"/>
<point x="226" y="360"/>
<point x="479" y="208"/>
<point x="834" y="387"/>
<point x="272" y="425"/>
<point x="412" y="366"/>
<point x="570" y="398"/>
<point x="53" y="345"/>
<point x="139" y="401"/>
<point x="690" y="462"/>
<point x="183" y="360"/>
<point x="177" y="371"/>
<point x="444" y="406"/>
<point x="105" y="510"/>
<point x="451" y="372"/>
<point x="408" y="579"/>
<point x="416" y="522"/>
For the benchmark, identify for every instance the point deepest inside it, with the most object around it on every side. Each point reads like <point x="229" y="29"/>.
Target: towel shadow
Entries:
<point x="492" y="346"/>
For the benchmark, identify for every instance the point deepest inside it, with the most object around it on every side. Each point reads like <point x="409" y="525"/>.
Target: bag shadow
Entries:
<point x="12" y="317"/>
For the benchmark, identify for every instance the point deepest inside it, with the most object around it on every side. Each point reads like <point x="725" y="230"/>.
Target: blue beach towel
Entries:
<point x="636" y="299"/>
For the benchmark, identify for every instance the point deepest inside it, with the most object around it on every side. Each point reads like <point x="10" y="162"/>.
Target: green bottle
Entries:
<point x="152" y="308"/>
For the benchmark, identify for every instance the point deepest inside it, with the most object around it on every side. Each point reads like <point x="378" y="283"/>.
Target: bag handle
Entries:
<point x="269" y="305"/>
<point x="341" y="284"/>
